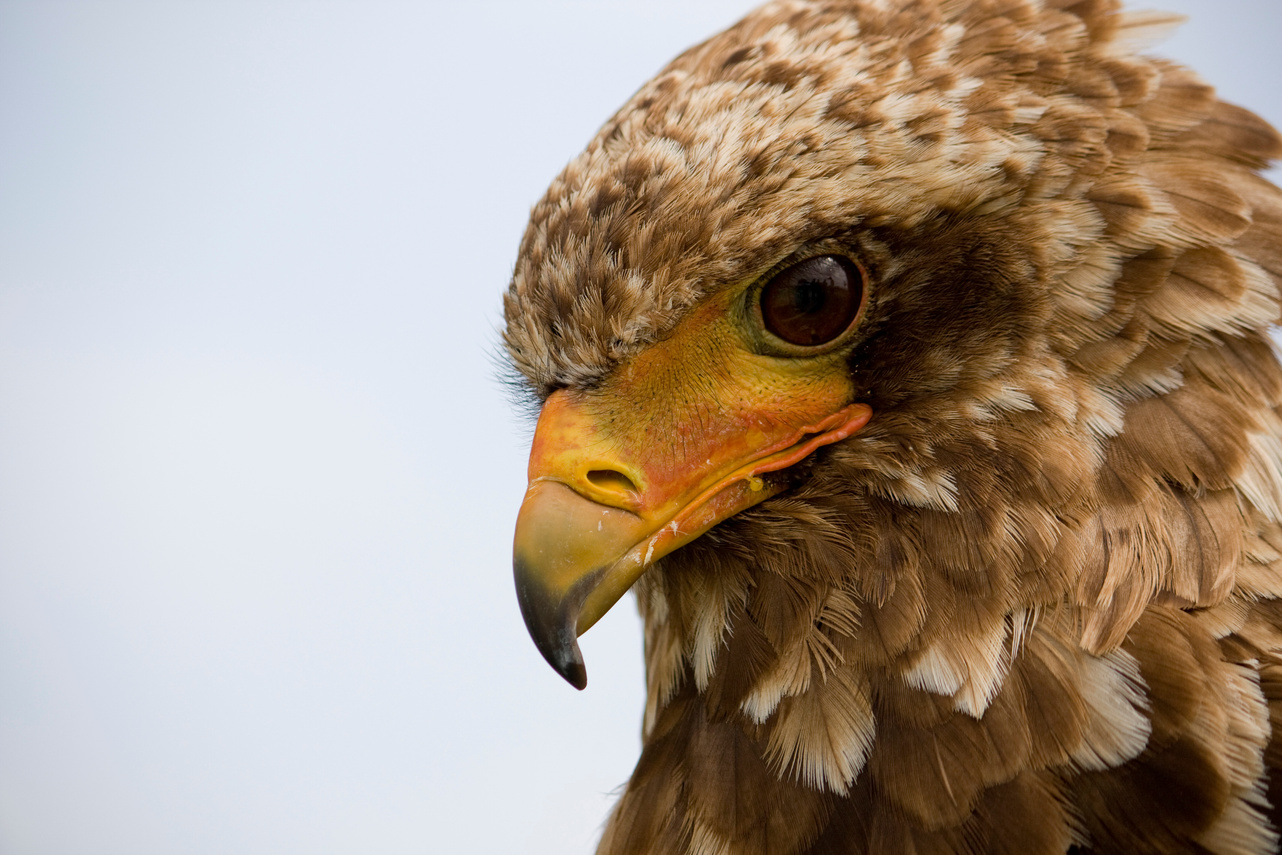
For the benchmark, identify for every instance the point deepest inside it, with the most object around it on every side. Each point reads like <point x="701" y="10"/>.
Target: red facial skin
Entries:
<point x="674" y="442"/>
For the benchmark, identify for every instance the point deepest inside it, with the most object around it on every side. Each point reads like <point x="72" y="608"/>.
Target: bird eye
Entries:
<point x="813" y="301"/>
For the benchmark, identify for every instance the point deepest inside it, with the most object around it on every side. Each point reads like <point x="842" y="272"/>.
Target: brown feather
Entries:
<point x="1035" y="605"/>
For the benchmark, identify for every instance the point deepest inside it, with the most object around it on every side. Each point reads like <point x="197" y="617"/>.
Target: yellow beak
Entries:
<point x="605" y="501"/>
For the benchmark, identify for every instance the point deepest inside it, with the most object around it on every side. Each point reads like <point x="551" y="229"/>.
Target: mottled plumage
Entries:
<point x="1032" y="606"/>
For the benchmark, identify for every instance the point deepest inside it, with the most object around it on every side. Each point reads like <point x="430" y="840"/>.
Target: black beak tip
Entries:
<point x="550" y="622"/>
<point x="572" y="669"/>
<point x="563" y="654"/>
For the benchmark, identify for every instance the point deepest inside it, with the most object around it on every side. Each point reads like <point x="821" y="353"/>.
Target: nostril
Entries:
<point x="612" y="481"/>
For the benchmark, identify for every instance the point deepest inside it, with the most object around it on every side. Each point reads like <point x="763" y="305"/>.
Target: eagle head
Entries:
<point x="909" y="361"/>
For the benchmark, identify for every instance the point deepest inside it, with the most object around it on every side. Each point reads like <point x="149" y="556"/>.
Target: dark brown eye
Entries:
<point x="813" y="301"/>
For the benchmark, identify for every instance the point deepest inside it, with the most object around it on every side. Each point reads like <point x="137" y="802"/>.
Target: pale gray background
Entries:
<point x="257" y="479"/>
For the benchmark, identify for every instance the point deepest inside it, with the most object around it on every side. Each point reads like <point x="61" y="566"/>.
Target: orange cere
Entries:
<point x="696" y="402"/>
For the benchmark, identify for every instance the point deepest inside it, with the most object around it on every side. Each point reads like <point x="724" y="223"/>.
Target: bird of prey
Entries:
<point x="909" y="359"/>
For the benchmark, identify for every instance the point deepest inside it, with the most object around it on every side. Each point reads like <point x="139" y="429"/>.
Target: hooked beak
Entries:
<point x="600" y="508"/>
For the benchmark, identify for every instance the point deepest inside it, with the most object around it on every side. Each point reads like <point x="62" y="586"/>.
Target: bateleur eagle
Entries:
<point x="909" y="359"/>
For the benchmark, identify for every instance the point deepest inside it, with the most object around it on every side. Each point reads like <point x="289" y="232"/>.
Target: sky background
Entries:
<point x="257" y="475"/>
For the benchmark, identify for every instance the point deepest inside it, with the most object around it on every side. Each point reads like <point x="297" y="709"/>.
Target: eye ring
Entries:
<point x="814" y="301"/>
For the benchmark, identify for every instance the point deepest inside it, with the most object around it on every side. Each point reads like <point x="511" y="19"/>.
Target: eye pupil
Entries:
<point x="813" y="301"/>
<point x="810" y="297"/>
